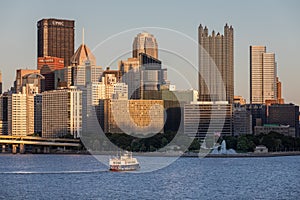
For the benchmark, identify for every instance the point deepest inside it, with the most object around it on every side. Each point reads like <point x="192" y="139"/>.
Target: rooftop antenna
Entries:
<point x="83" y="36"/>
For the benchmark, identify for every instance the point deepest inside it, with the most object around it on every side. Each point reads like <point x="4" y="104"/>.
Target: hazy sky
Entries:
<point x="274" y="24"/>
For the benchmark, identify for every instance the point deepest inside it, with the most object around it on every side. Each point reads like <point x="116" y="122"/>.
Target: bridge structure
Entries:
<point x="38" y="144"/>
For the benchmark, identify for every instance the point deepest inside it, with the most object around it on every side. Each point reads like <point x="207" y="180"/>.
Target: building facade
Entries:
<point x="281" y="129"/>
<point x="284" y="114"/>
<point x="55" y="37"/>
<point x="54" y="63"/>
<point x="132" y="116"/>
<point x="62" y="113"/>
<point x="17" y="114"/>
<point x="18" y="84"/>
<point x="242" y="121"/>
<point x="20" y="109"/>
<point x="258" y="114"/>
<point x="216" y="65"/>
<point x="262" y="75"/>
<point x="3" y="114"/>
<point x="144" y="77"/>
<point x="184" y="96"/>
<point x="202" y="119"/>
<point x="38" y="114"/>
<point x="239" y="100"/>
<point x="130" y="70"/>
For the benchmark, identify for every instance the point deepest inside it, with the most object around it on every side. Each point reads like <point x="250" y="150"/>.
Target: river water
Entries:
<point x="84" y="177"/>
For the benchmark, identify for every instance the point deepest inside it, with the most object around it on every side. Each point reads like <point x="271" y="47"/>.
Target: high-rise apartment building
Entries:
<point x="17" y="114"/>
<point x="55" y="37"/>
<point x="216" y="65"/>
<point x="262" y="75"/>
<point x="21" y="106"/>
<point x="145" y="43"/>
<point x="62" y="113"/>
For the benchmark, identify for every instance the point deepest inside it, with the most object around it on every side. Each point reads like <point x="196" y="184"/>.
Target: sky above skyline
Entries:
<point x="272" y="24"/>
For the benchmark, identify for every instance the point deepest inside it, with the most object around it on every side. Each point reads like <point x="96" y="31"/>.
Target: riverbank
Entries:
<point x="245" y="155"/>
<point x="178" y="154"/>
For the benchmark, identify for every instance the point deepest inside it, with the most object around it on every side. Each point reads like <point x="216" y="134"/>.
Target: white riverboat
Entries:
<point x="124" y="162"/>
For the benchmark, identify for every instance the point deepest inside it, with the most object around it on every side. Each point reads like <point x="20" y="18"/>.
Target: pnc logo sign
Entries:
<point x="57" y="23"/>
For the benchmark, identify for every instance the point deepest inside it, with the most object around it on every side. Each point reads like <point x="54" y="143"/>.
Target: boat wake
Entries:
<point x="55" y="172"/>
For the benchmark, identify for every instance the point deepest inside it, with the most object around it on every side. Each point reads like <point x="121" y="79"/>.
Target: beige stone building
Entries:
<point x="132" y="116"/>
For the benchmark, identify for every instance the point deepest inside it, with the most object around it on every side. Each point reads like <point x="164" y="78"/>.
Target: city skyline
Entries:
<point x="249" y="30"/>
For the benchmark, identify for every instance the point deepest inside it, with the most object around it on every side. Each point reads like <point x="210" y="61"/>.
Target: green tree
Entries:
<point x="164" y="141"/>
<point x="195" y="145"/>
<point x="152" y="148"/>
<point x="231" y="142"/>
<point x="143" y="148"/>
<point x="271" y="142"/>
<point x="244" y="144"/>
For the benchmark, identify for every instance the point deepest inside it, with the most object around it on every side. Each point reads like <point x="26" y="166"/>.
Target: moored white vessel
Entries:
<point x="124" y="162"/>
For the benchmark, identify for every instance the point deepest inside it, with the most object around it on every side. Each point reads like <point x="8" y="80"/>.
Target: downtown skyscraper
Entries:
<point x="56" y="39"/>
<point x="262" y="75"/>
<point x="145" y="43"/>
<point x="216" y="65"/>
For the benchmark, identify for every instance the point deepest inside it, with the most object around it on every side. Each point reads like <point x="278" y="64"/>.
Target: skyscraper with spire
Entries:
<point x="216" y="50"/>
<point x="84" y="69"/>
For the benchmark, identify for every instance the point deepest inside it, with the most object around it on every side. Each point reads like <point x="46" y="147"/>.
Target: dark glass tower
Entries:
<point x="0" y="82"/>
<point x="216" y="50"/>
<point x="55" y="37"/>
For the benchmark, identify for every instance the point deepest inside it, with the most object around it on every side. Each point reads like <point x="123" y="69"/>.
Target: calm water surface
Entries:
<point x="83" y="177"/>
